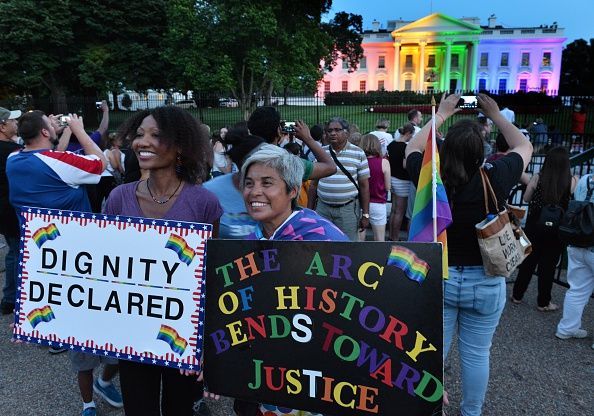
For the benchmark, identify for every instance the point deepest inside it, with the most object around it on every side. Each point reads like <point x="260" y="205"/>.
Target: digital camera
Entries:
<point x="98" y="104"/>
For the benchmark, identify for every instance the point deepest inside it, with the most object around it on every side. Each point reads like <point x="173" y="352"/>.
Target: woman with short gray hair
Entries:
<point x="270" y="182"/>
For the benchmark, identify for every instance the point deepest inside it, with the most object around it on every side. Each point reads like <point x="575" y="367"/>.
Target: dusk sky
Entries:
<point x="575" y="16"/>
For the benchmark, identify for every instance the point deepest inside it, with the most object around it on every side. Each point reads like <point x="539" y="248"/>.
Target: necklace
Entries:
<point x="157" y="200"/>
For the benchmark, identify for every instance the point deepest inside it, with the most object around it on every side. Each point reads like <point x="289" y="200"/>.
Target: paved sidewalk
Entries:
<point x="532" y="372"/>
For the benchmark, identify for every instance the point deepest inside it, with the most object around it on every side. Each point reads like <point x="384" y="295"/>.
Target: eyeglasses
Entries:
<point x="334" y="130"/>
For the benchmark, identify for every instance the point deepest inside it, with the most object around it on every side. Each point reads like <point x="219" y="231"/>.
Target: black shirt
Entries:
<point x="468" y="205"/>
<point x="396" y="157"/>
<point x="9" y="222"/>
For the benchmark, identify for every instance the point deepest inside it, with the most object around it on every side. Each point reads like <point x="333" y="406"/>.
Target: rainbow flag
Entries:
<point x="406" y="260"/>
<point x="170" y="336"/>
<point x="421" y="227"/>
<point x="183" y="250"/>
<point x="44" y="234"/>
<point x="39" y="315"/>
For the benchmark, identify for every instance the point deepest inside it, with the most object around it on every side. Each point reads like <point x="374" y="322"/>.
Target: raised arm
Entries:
<point x="104" y="124"/>
<point x="88" y="145"/>
<point x="447" y="107"/>
<point x="324" y="165"/>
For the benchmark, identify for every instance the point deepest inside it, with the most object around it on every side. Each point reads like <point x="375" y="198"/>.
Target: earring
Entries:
<point x="178" y="165"/>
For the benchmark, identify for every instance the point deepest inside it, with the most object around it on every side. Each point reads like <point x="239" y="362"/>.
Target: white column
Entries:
<point x="396" y="75"/>
<point x="473" y="65"/>
<point x="447" y="66"/>
<point x="421" y="72"/>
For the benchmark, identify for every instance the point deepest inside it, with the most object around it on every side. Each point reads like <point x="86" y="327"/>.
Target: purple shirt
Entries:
<point x="193" y="204"/>
<point x="74" y="144"/>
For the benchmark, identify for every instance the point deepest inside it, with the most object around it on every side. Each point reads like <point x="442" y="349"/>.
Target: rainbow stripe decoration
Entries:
<point x="421" y="227"/>
<point x="406" y="260"/>
<point x="44" y="234"/>
<point x="38" y="315"/>
<point x="171" y="337"/>
<point x="183" y="250"/>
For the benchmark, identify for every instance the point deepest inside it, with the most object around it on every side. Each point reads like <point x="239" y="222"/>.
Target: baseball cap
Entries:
<point x="8" y="115"/>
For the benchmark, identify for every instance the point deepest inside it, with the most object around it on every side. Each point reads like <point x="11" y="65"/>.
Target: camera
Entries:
<point x="98" y="104"/>
<point x="64" y="120"/>
<point x="468" y="101"/>
<point x="288" y="126"/>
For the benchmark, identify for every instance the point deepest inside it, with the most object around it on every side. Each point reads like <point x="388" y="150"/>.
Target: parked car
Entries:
<point x="185" y="104"/>
<point x="228" y="102"/>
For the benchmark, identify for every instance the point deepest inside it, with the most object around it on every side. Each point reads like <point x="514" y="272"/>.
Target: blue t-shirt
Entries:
<point x="235" y="222"/>
<point x="50" y="179"/>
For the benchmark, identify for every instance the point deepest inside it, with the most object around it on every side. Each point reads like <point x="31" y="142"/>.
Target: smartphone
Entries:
<point x="64" y="120"/>
<point x="288" y="127"/>
<point x="98" y="104"/>
<point x="468" y="101"/>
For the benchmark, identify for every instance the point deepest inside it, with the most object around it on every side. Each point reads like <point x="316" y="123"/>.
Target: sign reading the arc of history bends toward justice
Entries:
<point x="335" y="328"/>
<point x="117" y="286"/>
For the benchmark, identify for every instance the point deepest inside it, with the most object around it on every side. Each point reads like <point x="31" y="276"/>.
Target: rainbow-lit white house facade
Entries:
<point x="442" y="53"/>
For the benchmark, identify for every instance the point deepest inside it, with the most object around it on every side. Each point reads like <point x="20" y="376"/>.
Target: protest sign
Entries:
<point x="117" y="286"/>
<point x="330" y="327"/>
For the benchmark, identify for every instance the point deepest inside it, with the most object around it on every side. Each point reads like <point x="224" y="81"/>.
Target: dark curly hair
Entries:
<point x="178" y="128"/>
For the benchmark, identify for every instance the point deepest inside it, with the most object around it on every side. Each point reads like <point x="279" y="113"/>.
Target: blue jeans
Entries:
<point x="11" y="262"/>
<point x="472" y="307"/>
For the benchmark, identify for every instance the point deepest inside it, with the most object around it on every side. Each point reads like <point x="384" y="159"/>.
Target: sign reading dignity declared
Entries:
<point x="118" y="286"/>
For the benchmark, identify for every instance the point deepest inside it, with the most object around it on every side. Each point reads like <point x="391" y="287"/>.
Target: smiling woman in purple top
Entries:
<point x="175" y="150"/>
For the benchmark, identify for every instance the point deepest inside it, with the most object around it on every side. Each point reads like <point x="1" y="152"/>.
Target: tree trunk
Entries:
<point x="58" y="95"/>
<point x="116" y="106"/>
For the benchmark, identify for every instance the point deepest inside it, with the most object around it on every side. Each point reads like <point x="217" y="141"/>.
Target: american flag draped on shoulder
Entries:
<point x="431" y="213"/>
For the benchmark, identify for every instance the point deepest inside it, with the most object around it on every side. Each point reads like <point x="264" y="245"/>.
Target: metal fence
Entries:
<point x="219" y="110"/>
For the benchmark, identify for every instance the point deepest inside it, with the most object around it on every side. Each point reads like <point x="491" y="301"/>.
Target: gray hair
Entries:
<point x="289" y="167"/>
<point x="343" y="123"/>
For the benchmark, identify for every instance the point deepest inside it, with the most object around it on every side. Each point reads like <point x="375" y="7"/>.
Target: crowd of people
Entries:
<point x="266" y="179"/>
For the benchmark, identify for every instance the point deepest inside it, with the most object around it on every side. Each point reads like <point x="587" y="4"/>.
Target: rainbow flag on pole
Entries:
<point x="171" y="337"/>
<point x="183" y="250"/>
<point x="431" y="213"/>
<point x="406" y="260"/>
<point x="44" y="234"/>
<point x="38" y="315"/>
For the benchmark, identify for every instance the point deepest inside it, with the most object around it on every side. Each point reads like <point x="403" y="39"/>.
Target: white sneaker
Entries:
<point x="578" y="333"/>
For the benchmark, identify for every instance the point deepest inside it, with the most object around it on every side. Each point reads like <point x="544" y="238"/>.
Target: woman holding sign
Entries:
<point x="270" y="182"/>
<point x="473" y="301"/>
<point x="174" y="148"/>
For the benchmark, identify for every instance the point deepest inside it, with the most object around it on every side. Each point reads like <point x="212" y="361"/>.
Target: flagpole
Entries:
<point x="433" y="169"/>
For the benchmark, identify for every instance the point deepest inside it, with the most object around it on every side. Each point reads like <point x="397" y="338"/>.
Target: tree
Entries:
<point x="65" y="47"/>
<point x="252" y="47"/>
<point x="577" y="65"/>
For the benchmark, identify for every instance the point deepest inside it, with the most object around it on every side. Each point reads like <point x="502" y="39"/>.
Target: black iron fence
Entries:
<point x="219" y="110"/>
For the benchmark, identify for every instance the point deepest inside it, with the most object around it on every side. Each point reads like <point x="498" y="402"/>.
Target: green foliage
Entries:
<point x="577" y="64"/>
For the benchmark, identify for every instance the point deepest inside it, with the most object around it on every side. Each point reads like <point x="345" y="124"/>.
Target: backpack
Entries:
<point x="549" y="218"/>
<point x="577" y="224"/>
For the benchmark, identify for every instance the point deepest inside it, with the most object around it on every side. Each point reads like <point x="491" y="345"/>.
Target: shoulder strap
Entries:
<point x="342" y="168"/>
<point x="488" y="191"/>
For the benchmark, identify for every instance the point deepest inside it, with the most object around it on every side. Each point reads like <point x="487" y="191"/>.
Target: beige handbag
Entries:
<point x="502" y="242"/>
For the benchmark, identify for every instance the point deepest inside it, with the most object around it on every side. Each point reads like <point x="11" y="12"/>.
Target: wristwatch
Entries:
<point x="365" y="216"/>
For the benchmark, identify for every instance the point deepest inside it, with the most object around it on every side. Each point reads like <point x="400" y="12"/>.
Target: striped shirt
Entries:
<point x="338" y="188"/>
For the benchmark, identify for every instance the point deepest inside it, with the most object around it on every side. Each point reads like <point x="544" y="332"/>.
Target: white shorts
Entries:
<point x="400" y="187"/>
<point x="377" y="213"/>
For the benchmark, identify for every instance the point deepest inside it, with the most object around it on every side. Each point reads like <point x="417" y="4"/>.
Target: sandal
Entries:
<point x="516" y="301"/>
<point x="551" y="307"/>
